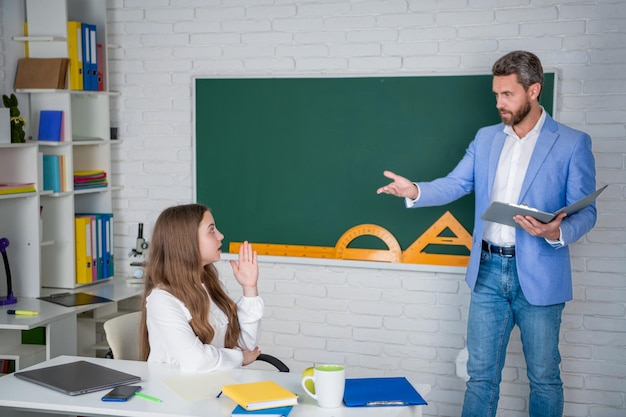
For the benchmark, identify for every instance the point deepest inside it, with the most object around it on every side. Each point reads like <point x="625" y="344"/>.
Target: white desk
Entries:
<point x="16" y="394"/>
<point x="60" y="321"/>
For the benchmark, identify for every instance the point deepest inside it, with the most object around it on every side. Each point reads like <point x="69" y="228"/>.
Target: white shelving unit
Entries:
<point x="40" y="225"/>
<point x="85" y="146"/>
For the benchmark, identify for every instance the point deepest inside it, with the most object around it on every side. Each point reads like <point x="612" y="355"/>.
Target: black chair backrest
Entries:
<point x="264" y="357"/>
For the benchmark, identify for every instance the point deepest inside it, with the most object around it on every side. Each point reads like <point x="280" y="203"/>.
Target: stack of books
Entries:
<point x="17" y="188"/>
<point x="90" y="179"/>
<point x="265" y="398"/>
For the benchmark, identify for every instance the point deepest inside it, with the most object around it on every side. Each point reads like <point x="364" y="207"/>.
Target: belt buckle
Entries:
<point x="503" y="250"/>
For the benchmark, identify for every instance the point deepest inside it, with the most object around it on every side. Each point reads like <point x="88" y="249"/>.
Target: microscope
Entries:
<point x="140" y="250"/>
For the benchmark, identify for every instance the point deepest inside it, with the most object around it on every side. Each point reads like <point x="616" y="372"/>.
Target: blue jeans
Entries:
<point x="498" y="304"/>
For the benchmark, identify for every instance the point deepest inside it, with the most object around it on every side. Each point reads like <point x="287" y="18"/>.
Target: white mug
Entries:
<point x="330" y="383"/>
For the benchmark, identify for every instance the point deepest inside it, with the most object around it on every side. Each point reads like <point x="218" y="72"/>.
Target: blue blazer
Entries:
<point x="561" y="171"/>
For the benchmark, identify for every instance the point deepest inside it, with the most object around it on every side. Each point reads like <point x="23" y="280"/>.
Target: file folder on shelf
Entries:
<point x="93" y="221"/>
<point x="97" y="241"/>
<point x="93" y="59"/>
<point x="75" y="54"/>
<point x="103" y="255"/>
<point x="86" y="55"/>
<point x="107" y="250"/>
<point x="100" y="64"/>
<point x="84" y="261"/>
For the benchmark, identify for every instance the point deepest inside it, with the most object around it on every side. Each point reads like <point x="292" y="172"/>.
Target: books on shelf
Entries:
<point x="90" y="179"/>
<point x="16" y="188"/>
<point x="50" y="125"/>
<point x="54" y="173"/>
<point x="266" y="412"/>
<point x="260" y="395"/>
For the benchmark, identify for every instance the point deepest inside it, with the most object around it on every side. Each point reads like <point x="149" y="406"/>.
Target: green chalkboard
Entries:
<point x="298" y="160"/>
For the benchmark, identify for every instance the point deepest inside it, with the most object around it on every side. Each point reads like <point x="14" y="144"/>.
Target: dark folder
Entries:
<point x="380" y="392"/>
<point x="503" y="213"/>
<point x="75" y="299"/>
<point x="78" y="377"/>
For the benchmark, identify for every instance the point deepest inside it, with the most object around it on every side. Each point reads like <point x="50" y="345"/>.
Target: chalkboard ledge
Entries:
<point x="353" y="264"/>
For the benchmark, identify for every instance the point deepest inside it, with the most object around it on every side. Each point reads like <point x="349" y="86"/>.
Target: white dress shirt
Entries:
<point x="510" y="174"/>
<point x="173" y="341"/>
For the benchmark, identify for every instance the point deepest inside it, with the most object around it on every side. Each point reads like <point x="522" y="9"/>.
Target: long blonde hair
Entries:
<point x="174" y="264"/>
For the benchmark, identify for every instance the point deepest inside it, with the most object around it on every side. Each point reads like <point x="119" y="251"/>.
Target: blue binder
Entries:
<point x="107" y="248"/>
<point x="93" y="59"/>
<point x="85" y="32"/>
<point x="380" y="392"/>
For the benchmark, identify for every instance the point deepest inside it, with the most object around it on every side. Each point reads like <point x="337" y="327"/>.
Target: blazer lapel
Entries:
<point x="545" y="142"/>
<point x="494" y="157"/>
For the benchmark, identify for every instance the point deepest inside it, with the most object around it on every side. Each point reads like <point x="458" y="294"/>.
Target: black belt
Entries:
<point x="499" y="250"/>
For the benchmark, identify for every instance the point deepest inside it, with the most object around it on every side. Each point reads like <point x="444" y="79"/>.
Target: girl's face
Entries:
<point x="209" y="239"/>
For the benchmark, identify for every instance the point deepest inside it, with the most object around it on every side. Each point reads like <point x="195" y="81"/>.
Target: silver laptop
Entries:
<point x="78" y="377"/>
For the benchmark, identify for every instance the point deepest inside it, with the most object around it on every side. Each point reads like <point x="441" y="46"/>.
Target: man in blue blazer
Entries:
<point x="518" y="275"/>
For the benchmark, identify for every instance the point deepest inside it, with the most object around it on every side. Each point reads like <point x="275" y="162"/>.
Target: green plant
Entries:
<point x="17" y="122"/>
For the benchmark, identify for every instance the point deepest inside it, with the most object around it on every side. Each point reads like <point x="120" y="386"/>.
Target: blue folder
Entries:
<point x="268" y="412"/>
<point x="381" y="392"/>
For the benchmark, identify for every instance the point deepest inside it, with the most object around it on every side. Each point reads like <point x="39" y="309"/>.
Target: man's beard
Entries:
<point x="517" y="117"/>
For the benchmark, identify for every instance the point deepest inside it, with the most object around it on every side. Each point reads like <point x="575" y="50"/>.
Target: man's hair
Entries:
<point x="524" y="64"/>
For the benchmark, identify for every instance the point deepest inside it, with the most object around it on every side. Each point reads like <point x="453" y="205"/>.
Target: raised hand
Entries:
<point x="246" y="269"/>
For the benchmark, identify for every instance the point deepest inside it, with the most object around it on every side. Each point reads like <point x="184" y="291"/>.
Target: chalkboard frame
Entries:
<point x="230" y="198"/>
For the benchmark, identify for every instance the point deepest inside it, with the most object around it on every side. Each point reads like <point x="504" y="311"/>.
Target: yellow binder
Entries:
<point x="75" y="54"/>
<point x="84" y="259"/>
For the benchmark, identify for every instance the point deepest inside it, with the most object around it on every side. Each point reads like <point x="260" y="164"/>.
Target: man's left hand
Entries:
<point x="550" y="231"/>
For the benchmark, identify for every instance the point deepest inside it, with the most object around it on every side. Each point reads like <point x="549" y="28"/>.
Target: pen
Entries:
<point x="23" y="312"/>
<point x="147" y="397"/>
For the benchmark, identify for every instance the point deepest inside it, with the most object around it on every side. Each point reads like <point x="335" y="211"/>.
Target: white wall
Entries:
<point x="383" y="321"/>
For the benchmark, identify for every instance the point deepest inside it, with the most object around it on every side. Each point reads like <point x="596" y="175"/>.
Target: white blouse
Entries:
<point x="173" y="341"/>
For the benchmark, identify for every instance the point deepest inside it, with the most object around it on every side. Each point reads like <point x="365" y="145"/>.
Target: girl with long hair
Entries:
<point x="188" y="319"/>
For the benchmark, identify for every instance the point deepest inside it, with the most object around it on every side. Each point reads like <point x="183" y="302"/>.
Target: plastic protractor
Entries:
<point x="393" y="254"/>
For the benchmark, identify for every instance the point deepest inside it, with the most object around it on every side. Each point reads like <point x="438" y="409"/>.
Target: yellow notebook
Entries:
<point x="259" y="395"/>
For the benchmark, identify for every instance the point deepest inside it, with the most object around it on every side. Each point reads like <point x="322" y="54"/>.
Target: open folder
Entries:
<point x="380" y="392"/>
<point x="503" y="213"/>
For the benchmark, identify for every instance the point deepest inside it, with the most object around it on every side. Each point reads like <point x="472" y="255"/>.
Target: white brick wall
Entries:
<point x="382" y="321"/>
